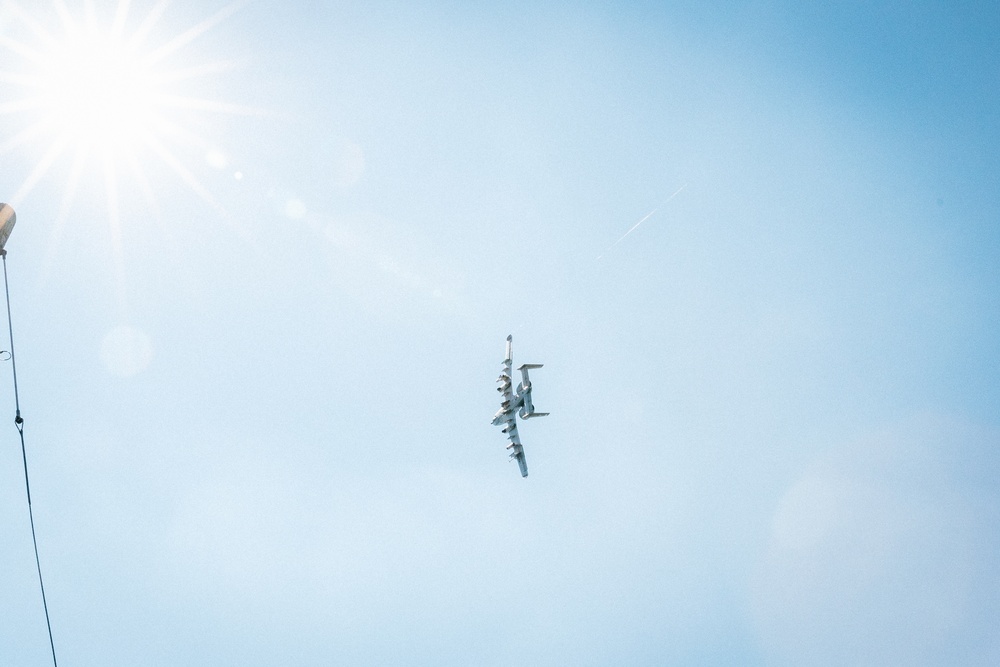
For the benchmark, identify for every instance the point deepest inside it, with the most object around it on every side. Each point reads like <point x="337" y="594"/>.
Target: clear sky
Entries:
<point x="267" y="255"/>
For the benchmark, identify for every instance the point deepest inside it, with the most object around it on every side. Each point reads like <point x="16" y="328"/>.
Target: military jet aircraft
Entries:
<point x="515" y="403"/>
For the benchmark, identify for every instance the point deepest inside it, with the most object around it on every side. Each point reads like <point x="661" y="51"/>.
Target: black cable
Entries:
<point x="19" y="423"/>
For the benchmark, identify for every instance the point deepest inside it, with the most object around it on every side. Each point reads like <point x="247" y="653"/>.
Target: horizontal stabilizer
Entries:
<point x="535" y="414"/>
<point x="529" y="366"/>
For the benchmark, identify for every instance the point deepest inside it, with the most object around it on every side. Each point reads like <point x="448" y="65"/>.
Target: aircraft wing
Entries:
<point x="510" y="403"/>
<point x="521" y="463"/>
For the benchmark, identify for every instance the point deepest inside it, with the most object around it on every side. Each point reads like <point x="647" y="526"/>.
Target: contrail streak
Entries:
<point x="643" y="219"/>
<point x="543" y="305"/>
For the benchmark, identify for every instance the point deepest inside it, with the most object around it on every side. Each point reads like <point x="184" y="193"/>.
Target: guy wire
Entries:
<point x="19" y="423"/>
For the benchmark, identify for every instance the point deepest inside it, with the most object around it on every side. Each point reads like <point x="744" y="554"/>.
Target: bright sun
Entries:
<point x="95" y="88"/>
<point x="102" y="88"/>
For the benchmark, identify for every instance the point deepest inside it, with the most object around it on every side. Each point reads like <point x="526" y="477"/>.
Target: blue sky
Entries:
<point x="256" y="367"/>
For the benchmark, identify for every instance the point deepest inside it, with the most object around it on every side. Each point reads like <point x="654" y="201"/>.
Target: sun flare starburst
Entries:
<point x="107" y="90"/>
<point x="95" y="88"/>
